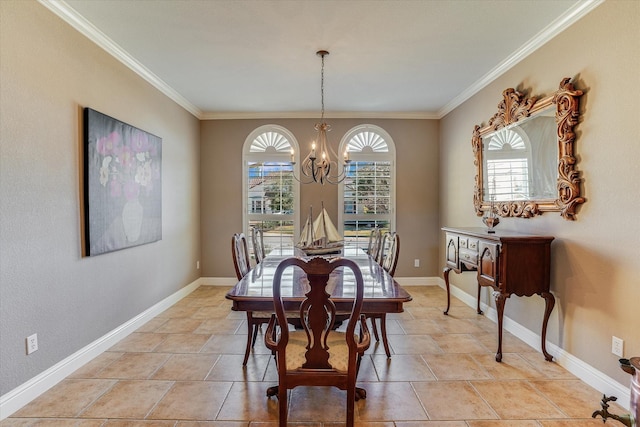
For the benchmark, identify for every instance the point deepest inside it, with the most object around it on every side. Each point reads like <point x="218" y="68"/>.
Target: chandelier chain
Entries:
<point x="322" y="89"/>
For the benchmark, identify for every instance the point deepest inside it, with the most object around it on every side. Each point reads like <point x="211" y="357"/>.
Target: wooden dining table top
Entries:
<point x="382" y="294"/>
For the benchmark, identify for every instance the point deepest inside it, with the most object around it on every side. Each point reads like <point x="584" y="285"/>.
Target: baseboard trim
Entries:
<point x="25" y="393"/>
<point x="577" y="367"/>
<point x="219" y="281"/>
<point x="418" y="281"/>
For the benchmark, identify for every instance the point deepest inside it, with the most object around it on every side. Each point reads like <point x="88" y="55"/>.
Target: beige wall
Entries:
<point x="595" y="258"/>
<point x="48" y="73"/>
<point x="417" y="155"/>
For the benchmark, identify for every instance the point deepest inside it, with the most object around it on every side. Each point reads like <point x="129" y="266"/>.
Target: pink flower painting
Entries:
<point x="123" y="197"/>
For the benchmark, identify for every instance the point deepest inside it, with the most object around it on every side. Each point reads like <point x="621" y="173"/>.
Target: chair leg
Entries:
<point x="360" y="393"/>
<point x="383" y="332"/>
<point x="255" y="334"/>
<point x="250" y="327"/>
<point x="282" y="406"/>
<point x="351" y="401"/>
<point x="374" y="327"/>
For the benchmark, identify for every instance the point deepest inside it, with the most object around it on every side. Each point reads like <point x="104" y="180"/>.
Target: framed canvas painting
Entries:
<point x="123" y="185"/>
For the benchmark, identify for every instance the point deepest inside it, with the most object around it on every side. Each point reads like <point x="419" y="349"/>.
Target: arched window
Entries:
<point x="367" y="195"/>
<point x="270" y="193"/>
<point x="507" y="163"/>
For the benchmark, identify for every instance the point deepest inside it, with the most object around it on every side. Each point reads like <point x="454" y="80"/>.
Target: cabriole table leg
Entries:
<point x="500" y="301"/>
<point x="445" y="273"/>
<point x="550" y="302"/>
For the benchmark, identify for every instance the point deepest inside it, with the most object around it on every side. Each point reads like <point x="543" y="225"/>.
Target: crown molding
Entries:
<point x="86" y="28"/>
<point x="406" y="115"/>
<point x="563" y="22"/>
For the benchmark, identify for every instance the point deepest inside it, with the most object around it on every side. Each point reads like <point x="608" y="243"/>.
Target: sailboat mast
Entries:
<point x="311" y="237"/>
<point x="324" y="224"/>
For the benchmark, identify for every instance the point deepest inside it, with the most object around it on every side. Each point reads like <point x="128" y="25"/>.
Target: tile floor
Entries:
<point x="184" y="369"/>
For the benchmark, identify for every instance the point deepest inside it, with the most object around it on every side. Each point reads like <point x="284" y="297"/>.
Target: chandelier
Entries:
<point x="324" y="168"/>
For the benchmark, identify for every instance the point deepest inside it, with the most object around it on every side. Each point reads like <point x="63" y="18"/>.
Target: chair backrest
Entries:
<point x="390" y="251"/>
<point x="258" y="244"/>
<point x="240" y="254"/>
<point x="317" y="316"/>
<point x="375" y="240"/>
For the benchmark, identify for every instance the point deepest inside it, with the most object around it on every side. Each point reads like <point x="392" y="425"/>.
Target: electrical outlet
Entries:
<point x="32" y="343"/>
<point x="416" y="262"/>
<point x="197" y="265"/>
<point x="617" y="346"/>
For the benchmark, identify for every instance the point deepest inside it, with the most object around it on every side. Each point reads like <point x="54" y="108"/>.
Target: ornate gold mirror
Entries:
<point x="524" y="157"/>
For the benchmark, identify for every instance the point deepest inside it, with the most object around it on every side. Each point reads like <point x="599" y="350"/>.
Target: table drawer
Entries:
<point x="469" y="257"/>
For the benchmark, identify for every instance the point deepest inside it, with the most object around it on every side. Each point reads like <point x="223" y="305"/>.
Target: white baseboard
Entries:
<point x="577" y="367"/>
<point x="418" y="281"/>
<point x="25" y="393"/>
<point x="218" y="281"/>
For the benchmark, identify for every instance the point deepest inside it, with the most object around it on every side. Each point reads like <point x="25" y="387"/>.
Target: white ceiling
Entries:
<point x="257" y="58"/>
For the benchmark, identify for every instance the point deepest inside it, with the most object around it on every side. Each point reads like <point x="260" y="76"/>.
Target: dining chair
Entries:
<point x="258" y="244"/>
<point x="375" y="239"/>
<point x="317" y="355"/>
<point x="379" y="251"/>
<point x="390" y="250"/>
<point x="240" y="254"/>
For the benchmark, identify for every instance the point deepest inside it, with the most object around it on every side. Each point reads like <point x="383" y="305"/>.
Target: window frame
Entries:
<point x="269" y="155"/>
<point x="369" y="156"/>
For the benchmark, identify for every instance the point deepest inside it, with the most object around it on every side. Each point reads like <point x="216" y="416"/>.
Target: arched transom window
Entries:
<point x="272" y="140"/>
<point x="367" y="141"/>
<point x="270" y="193"/>
<point x="367" y="195"/>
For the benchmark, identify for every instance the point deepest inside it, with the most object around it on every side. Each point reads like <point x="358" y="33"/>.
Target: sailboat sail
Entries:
<point x="306" y="237"/>
<point x="320" y="236"/>
<point x="323" y="227"/>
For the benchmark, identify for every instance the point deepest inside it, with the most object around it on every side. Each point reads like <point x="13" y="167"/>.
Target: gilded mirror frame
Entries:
<point x="514" y="107"/>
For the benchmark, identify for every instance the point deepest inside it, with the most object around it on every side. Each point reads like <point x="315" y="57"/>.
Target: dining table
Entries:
<point x="382" y="294"/>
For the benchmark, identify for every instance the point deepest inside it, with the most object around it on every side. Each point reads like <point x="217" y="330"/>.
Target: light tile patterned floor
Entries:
<point x="184" y="369"/>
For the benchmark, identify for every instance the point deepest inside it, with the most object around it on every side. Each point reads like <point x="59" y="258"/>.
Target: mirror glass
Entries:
<point x="520" y="160"/>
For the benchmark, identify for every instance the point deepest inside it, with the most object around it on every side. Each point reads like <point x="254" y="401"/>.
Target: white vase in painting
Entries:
<point x="132" y="220"/>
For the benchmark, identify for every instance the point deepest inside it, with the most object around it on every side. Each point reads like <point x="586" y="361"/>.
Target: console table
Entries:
<point x="510" y="263"/>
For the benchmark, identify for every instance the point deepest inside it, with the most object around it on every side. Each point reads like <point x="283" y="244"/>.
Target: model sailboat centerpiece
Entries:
<point x="319" y="236"/>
